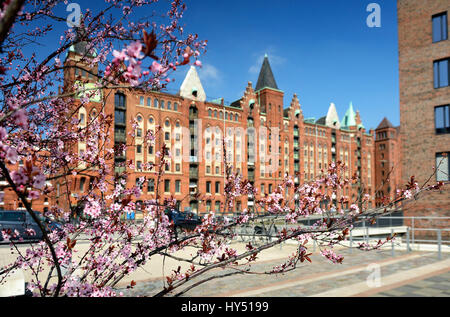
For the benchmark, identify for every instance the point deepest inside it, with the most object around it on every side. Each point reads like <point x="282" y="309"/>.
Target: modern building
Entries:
<point x="424" y="64"/>
<point x="264" y="140"/>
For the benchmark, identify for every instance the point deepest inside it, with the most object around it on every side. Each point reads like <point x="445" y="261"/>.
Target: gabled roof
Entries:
<point x="265" y="78"/>
<point x="385" y="124"/>
<point x="192" y="84"/>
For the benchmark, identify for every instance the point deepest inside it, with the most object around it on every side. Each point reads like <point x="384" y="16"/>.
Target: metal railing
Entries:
<point x="410" y="233"/>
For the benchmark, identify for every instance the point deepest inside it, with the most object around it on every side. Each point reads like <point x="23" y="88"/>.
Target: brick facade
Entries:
<point x="418" y="98"/>
<point x="301" y="147"/>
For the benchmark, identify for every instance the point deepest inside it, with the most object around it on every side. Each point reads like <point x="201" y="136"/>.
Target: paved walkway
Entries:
<point x="322" y="278"/>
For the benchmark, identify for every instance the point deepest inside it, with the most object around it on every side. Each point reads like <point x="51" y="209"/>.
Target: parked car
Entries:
<point x="183" y="220"/>
<point x="13" y="221"/>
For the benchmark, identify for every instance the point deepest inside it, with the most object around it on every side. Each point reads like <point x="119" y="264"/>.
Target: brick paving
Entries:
<point x="236" y="284"/>
<point x="438" y="285"/>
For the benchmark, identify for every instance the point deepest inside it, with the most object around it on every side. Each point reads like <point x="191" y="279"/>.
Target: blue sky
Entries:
<point x="322" y="50"/>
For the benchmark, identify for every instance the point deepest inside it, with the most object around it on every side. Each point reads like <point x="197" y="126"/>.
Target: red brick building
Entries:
<point x="424" y="59"/>
<point x="264" y="140"/>
<point x="387" y="161"/>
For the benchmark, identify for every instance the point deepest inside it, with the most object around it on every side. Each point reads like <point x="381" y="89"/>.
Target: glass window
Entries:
<point x="167" y="186"/>
<point x="441" y="73"/>
<point x="149" y="102"/>
<point x="151" y="185"/>
<point x="141" y="101"/>
<point x="217" y="187"/>
<point x="442" y="119"/>
<point x="139" y="149"/>
<point x="162" y="104"/>
<point x="119" y="100"/>
<point x="175" y="106"/>
<point x="442" y="166"/>
<point x="208" y="187"/>
<point x="439" y="22"/>
<point x="155" y="103"/>
<point x="119" y="116"/>
<point x="177" y="186"/>
<point x="169" y="105"/>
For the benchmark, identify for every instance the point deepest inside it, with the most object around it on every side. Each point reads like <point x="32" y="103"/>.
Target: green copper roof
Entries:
<point x="349" y="118"/>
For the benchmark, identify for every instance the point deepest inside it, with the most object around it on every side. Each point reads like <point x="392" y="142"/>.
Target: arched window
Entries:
<point x="209" y="113"/>
<point x="156" y="103"/>
<point x="175" y="106"/>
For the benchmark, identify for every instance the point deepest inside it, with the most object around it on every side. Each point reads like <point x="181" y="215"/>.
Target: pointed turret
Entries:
<point x="192" y="87"/>
<point x="385" y="124"/>
<point x="349" y="119"/>
<point x="265" y="78"/>
<point x="332" y="119"/>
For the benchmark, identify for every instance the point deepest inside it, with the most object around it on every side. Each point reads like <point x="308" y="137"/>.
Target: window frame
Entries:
<point x="446" y="117"/>
<point x="443" y="25"/>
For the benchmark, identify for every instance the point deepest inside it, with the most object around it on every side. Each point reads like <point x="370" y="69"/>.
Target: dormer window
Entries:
<point x="194" y="92"/>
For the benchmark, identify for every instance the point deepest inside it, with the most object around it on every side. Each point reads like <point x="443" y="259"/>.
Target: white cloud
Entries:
<point x="274" y="60"/>
<point x="208" y="72"/>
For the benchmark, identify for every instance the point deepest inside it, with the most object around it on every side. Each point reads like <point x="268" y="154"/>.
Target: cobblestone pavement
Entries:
<point x="438" y="286"/>
<point x="319" y="268"/>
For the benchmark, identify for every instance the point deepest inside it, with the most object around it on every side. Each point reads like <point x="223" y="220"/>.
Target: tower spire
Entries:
<point x="265" y="78"/>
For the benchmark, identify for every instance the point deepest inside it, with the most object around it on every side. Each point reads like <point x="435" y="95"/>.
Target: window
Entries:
<point x="139" y="149"/>
<point x="155" y="103"/>
<point x="162" y="104"/>
<point x="167" y="136"/>
<point x="151" y="185"/>
<point x="208" y="187"/>
<point x="141" y="101"/>
<point x="169" y="105"/>
<point x="442" y="166"/>
<point x="167" y="186"/>
<point x="150" y="149"/>
<point x="139" y="165"/>
<point x="441" y="73"/>
<point x="439" y="22"/>
<point x="139" y="133"/>
<point x="217" y="187"/>
<point x="208" y="169"/>
<point x="217" y="170"/>
<point x="149" y="102"/>
<point x="442" y="119"/>
<point x="217" y="204"/>
<point x="175" y="106"/>
<point x="177" y="186"/>
<point x="209" y="113"/>
<point x="177" y="167"/>
<point x="82" y="182"/>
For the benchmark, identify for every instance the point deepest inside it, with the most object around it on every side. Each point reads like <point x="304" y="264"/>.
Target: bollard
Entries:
<point x="439" y="243"/>
<point x="351" y="241"/>
<point x="407" y="240"/>
<point x="392" y="243"/>
<point x="367" y="235"/>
